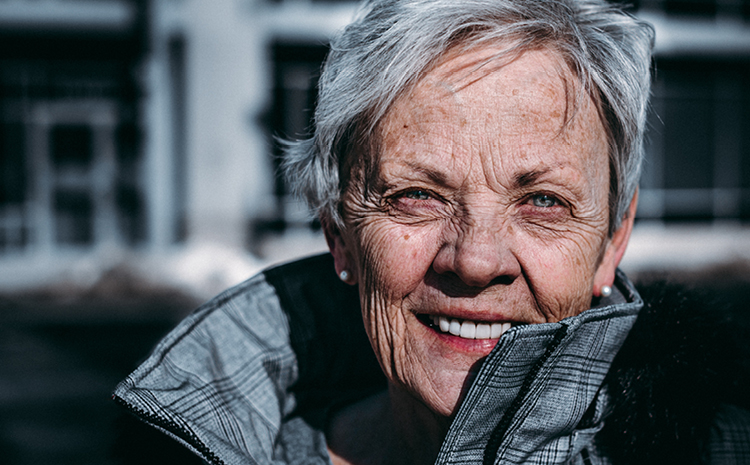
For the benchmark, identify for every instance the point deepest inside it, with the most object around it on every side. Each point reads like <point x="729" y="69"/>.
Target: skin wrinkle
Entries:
<point x="443" y="221"/>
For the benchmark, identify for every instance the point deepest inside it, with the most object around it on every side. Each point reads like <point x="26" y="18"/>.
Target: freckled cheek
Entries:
<point x="561" y="274"/>
<point x="397" y="253"/>
<point x="393" y="263"/>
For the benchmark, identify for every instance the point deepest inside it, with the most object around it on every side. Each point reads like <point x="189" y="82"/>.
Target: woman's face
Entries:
<point x="484" y="209"/>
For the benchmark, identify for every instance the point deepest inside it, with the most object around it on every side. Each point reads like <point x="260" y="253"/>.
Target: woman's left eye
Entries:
<point x="418" y="194"/>
<point x="544" y="201"/>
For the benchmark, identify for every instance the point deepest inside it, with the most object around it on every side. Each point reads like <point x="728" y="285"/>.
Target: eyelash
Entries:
<point x="414" y="198"/>
<point x="545" y="198"/>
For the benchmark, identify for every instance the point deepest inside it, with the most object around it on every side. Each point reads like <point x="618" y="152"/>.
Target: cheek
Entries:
<point x="394" y="258"/>
<point x="561" y="273"/>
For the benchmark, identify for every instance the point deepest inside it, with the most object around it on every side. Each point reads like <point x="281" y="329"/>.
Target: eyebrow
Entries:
<point x="433" y="175"/>
<point x="529" y="177"/>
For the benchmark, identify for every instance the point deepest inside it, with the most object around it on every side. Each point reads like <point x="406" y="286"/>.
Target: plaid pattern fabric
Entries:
<point x="216" y="382"/>
<point x="730" y="438"/>
<point x="248" y="377"/>
<point x="545" y="429"/>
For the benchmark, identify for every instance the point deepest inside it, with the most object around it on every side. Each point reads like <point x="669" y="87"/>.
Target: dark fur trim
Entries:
<point x="668" y="380"/>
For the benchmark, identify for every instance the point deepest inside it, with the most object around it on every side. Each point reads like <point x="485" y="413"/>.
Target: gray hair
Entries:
<point x="393" y="43"/>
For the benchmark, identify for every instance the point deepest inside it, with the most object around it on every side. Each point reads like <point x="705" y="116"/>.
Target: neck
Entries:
<point x="419" y="430"/>
<point x="391" y="427"/>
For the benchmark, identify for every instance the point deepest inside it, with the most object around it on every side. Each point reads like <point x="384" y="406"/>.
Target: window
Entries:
<point x="70" y="157"/>
<point x="13" y="185"/>
<point x="72" y="153"/>
<point x="296" y="69"/>
<point x="698" y="151"/>
<point x="691" y="7"/>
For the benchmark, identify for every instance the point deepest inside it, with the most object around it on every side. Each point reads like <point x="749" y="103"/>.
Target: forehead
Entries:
<point x="528" y="108"/>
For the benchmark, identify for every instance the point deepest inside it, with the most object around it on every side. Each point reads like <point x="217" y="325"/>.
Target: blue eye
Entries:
<point x="544" y="201"/>
<point x="418" y="195"/>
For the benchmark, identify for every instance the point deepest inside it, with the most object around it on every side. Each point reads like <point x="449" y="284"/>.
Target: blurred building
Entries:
<point x="142" y="132"/>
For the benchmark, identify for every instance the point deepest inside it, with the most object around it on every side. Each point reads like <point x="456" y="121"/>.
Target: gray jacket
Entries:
<point x="250" y="376"/>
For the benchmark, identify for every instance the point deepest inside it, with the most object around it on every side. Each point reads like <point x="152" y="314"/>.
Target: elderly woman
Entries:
<point x="475" y="168"/>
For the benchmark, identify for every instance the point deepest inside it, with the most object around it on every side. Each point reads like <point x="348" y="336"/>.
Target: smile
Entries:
<point x="468" y="329"/>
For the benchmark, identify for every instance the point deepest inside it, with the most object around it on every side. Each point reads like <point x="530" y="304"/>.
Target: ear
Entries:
<point x="605" y="273"/>
<point x="342" y="258"/>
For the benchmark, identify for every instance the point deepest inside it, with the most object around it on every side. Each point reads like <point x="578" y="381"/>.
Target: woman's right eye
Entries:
<point x="415" y="201"/>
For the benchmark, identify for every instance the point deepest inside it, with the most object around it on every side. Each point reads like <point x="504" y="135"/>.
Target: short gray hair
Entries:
<point x="393" y="43"/>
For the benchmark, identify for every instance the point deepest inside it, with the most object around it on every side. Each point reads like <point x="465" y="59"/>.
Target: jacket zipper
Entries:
<point x="173" y="428"/>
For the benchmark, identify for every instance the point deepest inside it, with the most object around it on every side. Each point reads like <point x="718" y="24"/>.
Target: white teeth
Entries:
<point x="483" y="331"/>
<point x="469" y="329"/>
<point x="496" y="330"/>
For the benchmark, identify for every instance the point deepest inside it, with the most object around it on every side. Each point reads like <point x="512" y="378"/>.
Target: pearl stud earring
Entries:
<point x="344" y="275"/>
<point x="606" y="291"/>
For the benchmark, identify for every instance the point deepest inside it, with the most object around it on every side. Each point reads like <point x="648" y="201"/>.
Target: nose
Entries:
<point x="479" y="253"/>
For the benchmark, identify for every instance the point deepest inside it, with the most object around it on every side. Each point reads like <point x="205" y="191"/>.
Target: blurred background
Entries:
<point x="138" y="177"/>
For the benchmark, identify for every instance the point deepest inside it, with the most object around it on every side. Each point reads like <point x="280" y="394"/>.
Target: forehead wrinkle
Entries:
<point x="559" y="116"/>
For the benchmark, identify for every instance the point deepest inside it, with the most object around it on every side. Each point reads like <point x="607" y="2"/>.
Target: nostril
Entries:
<point x="477" y="259"/>
<point x="504" y="280"/>
<point x="483" y="272"/>
<point x="451" y="285"/>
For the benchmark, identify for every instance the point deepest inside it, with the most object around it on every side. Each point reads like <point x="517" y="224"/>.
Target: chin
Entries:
<point x="443" y="393"/>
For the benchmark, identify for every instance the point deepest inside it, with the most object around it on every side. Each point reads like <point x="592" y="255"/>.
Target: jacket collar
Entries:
<point x="528" y="401"/>
<point x="535" y="398"/>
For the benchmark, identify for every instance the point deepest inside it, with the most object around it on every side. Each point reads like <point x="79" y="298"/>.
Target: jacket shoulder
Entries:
<point x="334" y="356"/>
<point x="730" y="436"/>
<point x="268" y="349"/>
